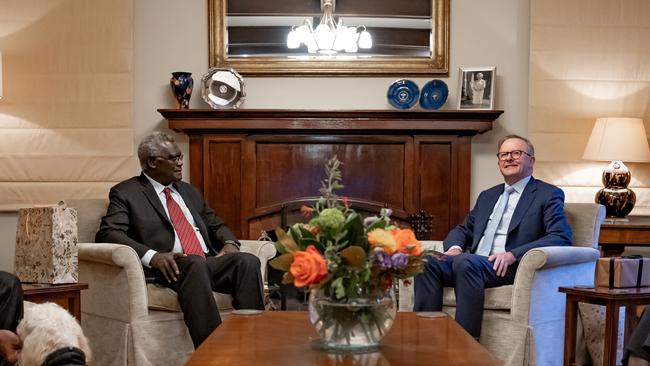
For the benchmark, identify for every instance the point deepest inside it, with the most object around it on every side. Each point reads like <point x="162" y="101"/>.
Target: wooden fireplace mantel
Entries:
<point x="249" y="162"/>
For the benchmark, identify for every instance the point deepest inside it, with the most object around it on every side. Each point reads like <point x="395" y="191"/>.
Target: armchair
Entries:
<point x="523" y="324"/>
<point x="127" y="321"/>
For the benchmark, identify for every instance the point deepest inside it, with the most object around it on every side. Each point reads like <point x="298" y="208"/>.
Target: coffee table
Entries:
<point x="284" y="338"/>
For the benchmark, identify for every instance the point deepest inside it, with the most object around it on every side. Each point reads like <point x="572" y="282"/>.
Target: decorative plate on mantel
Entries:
<point x="403" y="94"/>
<point x="222" y="88"/>
<point x="434" y="94"/>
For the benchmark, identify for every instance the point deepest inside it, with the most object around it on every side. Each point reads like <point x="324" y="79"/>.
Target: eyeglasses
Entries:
<point x="515" y="154"/>
<point x="174" y="159"/>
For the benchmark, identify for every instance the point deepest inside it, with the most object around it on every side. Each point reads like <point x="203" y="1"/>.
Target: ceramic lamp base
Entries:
<point x="616" y="197"/>
<point x="618" y="201"/>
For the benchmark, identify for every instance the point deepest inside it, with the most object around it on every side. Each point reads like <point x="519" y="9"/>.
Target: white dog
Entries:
<point x="46" y="328"/>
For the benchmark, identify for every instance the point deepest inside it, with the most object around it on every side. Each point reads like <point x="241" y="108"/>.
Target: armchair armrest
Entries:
<point x="263" y="249"/>
<point x="543" y="270"/>
<point x="116" y="285"/>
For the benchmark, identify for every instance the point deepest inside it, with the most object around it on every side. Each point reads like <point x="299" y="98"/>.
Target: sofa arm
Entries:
<point x="543" y="270"/>
<point x="263" y="249"/>
<point x="116" y="285"/>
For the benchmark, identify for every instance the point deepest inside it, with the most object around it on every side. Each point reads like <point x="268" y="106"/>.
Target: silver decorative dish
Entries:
<point x="222" y="88"/>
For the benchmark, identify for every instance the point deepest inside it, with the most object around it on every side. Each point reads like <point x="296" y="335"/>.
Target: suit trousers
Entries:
<point x="639" y="343"/>
<point x="469" y="275"/>
<point x="11" y="303"/>
<point x="237" y="274"/>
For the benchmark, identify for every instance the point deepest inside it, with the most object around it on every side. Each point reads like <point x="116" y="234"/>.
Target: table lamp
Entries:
<point x="617" y="140"/>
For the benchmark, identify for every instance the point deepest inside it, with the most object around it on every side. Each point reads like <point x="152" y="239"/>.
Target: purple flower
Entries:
<point x="382" y="259"/>
<point x="399" y="260"/>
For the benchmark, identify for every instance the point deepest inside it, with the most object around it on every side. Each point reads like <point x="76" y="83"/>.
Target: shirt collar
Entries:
<point x="157" y="186"/>
<point x="520" y="185"/>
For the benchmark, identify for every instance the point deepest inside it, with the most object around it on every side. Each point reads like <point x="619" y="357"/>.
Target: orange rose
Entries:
<point x="406" y="242"/>
<point x="308" y="267"/>
<point x="382" y="238"/>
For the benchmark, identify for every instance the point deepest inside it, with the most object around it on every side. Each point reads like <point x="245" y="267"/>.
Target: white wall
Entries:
<point x="172" y="36"/>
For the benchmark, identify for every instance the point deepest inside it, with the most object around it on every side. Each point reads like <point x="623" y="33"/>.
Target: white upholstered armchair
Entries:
<point x="523" y="323"/>
<point x="127" y="321"/>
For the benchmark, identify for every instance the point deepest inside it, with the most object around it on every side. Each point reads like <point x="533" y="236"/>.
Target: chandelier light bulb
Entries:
<point x="293" y="39"/>
<point x="329" y="37"/>
<point x="365" y="40"/>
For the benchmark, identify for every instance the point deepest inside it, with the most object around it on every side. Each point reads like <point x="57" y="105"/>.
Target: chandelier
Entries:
<point x="329" y="37"/>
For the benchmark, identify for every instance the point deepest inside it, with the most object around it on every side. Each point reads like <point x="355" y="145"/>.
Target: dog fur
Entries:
<point x="46" y="328"/>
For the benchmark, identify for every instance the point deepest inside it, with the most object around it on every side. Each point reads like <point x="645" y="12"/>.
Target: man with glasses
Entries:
<point x="482" y="252"/>
<point x="180" y="241"/>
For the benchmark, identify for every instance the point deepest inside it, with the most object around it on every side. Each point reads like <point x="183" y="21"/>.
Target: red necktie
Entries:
<point x="184" y="230"/>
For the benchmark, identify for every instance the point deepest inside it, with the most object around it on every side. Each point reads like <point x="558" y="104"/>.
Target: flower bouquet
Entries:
<point x="349" y="263"/>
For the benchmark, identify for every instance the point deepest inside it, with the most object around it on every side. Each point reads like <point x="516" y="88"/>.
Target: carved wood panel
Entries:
<point x="249" y="162"/>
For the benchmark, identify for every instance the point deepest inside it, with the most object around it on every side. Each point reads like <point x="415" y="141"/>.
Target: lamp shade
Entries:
<point x="618" y="139"/>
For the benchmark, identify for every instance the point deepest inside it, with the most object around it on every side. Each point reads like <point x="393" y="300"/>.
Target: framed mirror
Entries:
<point x="408" y="37"/>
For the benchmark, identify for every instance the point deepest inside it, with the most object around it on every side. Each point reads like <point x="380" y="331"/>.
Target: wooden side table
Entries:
<point x="612" y="299"/>
<point x="630" y="232"/>
<point x="66" y="295"/>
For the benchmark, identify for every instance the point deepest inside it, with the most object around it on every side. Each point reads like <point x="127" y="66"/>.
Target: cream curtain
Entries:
<point x="588" y="59"/>
<point x="66" y="125"/>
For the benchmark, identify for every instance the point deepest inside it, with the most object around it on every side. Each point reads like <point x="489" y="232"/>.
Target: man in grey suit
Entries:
<point x="181" y="242"/>
<point x="508" y="220"/>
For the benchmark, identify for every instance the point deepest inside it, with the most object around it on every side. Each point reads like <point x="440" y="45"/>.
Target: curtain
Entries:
<point x="66" y="128"/>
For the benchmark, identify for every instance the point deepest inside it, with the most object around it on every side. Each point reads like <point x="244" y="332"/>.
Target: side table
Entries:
<point x="633" y="231"/>
<point x="612" y="299"/>
<point x="66" y="295"/>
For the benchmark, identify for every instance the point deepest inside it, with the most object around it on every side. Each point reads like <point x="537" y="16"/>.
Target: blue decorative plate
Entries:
<point x="434" y="94"/>
<point x="403" y="94"/>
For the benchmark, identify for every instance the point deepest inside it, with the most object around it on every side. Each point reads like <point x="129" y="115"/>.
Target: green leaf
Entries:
<point x="283" y="262"/>
<point x="354" y="228"/>
<point x="353" y="256"/>
<point x="382" y="223"/>
<point x="338" y="288"/>
<point x="286" y="241"/>
<point x="296" y="236"/>
<point x="305" y="242"/>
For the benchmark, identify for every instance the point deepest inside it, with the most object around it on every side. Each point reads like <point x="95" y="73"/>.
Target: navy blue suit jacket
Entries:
<point x="538" y="220"/>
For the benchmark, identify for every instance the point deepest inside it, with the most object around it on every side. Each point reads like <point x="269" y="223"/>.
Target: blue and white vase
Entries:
<point x="182" y="83"/>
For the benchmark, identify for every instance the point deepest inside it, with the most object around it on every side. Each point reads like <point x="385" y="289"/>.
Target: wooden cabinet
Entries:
<point x="248" y="162"/>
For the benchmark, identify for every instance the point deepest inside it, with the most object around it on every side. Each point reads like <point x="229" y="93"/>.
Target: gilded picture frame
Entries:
<point x="436" y="64"/>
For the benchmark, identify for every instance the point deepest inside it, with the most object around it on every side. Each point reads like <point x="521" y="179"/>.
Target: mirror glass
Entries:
<point x="405" y="37"/>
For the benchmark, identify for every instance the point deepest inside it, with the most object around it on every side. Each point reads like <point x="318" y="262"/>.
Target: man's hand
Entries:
<point x="453" y="252"/>
<point x="228" y="248"/>
<point x="166" y="263"/>
<point x="501" y="262"/>
<point x="10" y="345"/>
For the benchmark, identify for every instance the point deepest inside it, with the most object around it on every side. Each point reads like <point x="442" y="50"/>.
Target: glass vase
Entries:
<point x="356" y="325"/>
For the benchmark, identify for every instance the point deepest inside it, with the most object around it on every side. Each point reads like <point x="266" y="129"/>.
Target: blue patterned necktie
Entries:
<point x="488" y="236"/>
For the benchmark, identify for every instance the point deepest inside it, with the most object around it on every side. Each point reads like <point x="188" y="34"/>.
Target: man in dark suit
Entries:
<point x="637" y="350"/>
<point x="482" y="252"/>
<point x="180" y="241"/>
<point x="11" y="311"/>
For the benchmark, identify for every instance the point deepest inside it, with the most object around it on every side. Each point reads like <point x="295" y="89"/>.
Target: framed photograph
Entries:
<point x="476" y="87"/>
